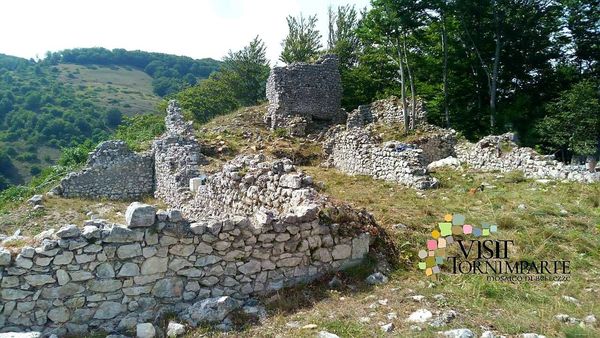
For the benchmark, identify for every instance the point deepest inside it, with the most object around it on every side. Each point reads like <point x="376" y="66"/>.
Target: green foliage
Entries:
<point x="343" y="39"/>
<point x="246" y="72"/>
<point x="77" y="155"/>
<point x="573" y="121"/>
<point x="210" y="98"/>
<point x="544" y="48"/>
<point x="171" y="73"/>
<point x="303" y="41"/>
<point x="14" y="194"/>
<point x="114" y="117"/>
<point x="137" y="131"/>
<point x="280" y="132"/>
<point x="240" y="82"/>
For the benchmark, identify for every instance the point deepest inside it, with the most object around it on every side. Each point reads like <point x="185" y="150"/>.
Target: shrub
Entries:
<point x="75" y="156"/>
<point x="139" y="130"/>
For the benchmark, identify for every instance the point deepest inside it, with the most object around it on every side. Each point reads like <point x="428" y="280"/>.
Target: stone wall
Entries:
<point x="248" y="184"/>
<point x="253" y="227"/>
<point x="112" y="171"/>
<point x="501" y="153"/>
<point x="436" y="143"/>
<point x="177" y="158"/>
<point x="302" y="95"/>
<point x="110" y="277"/>
<point x="355" y="152"/>
<point x="384" y="111"/>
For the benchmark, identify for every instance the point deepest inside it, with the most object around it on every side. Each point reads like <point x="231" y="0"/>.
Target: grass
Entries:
<point x="60" y="211"/>
<point x="126" y="89"/>
<point x="243" y="132"/>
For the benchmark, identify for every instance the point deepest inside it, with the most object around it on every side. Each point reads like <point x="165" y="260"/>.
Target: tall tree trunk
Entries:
<point x="445" y="68"/>
<point x="494" y="77"/>
<point x="402" y="86"/>
<point x="413" y="97"/>
<point x="331" y="34"/>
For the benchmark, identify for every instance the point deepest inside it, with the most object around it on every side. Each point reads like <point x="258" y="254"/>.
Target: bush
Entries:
<point x="139" y="130"/>
<point x="573" y="122"/>
<point x="212" y="97"/>
<point x="35" y="170"/>
<point x="76" y="156"/>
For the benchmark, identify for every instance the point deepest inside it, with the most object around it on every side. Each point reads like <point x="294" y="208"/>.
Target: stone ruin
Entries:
<point x="254" y="227"/>
<point x="386" y="111"/>
<point x="356" y="150"/>
<point x="304" y="96"/>
<point x="112" y="171"/>
<point x="501" y="153"/>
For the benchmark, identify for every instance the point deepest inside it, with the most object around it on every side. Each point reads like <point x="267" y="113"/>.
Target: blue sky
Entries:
<point x="201" y="28"/>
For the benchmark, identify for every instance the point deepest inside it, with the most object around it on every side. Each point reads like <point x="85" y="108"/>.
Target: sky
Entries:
<point x="195" y="28"/>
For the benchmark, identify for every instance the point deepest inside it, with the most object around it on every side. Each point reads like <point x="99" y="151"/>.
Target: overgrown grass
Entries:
<point x="539" y="230"/>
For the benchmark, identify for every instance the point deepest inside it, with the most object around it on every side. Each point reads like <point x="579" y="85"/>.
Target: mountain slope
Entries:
<point x="65" y="99"/>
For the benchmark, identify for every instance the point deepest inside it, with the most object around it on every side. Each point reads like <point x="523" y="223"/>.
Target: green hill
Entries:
<point x="124" y="88"/>
<point x="76" y="95"/>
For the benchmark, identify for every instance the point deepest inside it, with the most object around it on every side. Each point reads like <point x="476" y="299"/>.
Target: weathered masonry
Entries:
<point x="302" y="96"/>
<point x="111" y="277"/>
<point x="112" y="171"/>
<point x="254" y="227"/>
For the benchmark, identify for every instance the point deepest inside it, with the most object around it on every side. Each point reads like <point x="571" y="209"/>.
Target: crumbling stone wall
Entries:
<point x="436" y="143"/>
<point x="384" y="111"/>
<point x="354" y="149"/>
<point x="113" y="171"/>
<point x="177" y="157"/>
<point x="110" y="277"/>
<point x="302" y="95"/>
<point x="355" y="152"/>
<point x="501" y="153"/>
<point x="249" y="184"/>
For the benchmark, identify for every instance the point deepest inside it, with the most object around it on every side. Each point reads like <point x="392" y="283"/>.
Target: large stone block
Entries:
<point x="140" y="215"/>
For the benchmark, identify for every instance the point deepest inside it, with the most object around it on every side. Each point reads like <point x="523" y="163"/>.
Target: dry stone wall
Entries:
<point x="384" y="111"/>
<point x="501" y="153"/>
<point x="354" y="149"/>
<point x="302" y="95"/>
<point x="254" y="227"/>
<point x="355" y="152"/>
<point x="110" y="277"/>
<point x="436" y="143"/>
<point x="112" y="171"/>
<point x="249" y="184"/>
<point x="177" y="157"/>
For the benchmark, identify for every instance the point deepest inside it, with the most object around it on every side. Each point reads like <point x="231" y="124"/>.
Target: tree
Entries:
<point x="573" y="121"/>
<point x="246" y="72"/>
<point x="342" y="38"/>
<point x="582" y="20"/>
<point x="303" y="41"/>
<point x="387" y="29"/>
<point x="211" y="97"/>
<point x="113" y="117"/>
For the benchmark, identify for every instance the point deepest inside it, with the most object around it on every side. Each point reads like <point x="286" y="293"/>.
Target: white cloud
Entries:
<point x="205" y="28"/>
